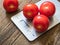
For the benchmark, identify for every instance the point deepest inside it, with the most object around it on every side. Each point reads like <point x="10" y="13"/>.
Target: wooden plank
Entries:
<point x="59" y="0"/>
<point x="4" y="16"/>
<point x="8" y="32"/>
<point x="10" y="35"/>
<point x="12" y="38"/>
<point x="4" y="23"/>
<point x="21" y="41"/>
<point x="49" y="38"/>
<point x="7" y="28"/>
<point x="24" y="2"/>
<point x="57" y="41"/>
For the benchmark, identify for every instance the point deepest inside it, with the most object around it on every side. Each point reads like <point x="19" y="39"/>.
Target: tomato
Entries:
<point x="41" y="23"/>
<point x="10" y="5"/>
<point x="30" y="10"/>
<point x="47" y="8"/>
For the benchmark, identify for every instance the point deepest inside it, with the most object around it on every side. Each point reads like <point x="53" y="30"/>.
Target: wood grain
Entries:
<point x="12" y="38"/>
<point x="49" y="38"/>
<point x="7" y="28"/>
<point x="10" y="34"/>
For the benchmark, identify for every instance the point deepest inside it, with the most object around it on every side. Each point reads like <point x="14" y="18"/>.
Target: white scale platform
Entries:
<point x="26" y="27"/>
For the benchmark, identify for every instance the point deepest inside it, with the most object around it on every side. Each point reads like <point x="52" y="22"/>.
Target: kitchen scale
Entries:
<point x="25" y="26"/>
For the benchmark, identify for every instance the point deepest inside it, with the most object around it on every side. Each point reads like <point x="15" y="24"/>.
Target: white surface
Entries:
<point x="26" y="27"/>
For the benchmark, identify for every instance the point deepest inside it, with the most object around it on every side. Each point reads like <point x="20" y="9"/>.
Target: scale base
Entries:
<point x="26" y="27"/>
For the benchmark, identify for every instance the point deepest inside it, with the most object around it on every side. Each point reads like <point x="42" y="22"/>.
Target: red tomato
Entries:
<point x="47" y="8"/>
<point x="10" y="5"/>
<point x="30" y="10"/>
<point x="41" y="23"/>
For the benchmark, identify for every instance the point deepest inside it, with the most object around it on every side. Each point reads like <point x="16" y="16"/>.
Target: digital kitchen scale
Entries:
<point x="26" y="27"/>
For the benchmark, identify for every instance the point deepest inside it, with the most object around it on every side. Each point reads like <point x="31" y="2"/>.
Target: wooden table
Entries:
<point x="10" y="34"/>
